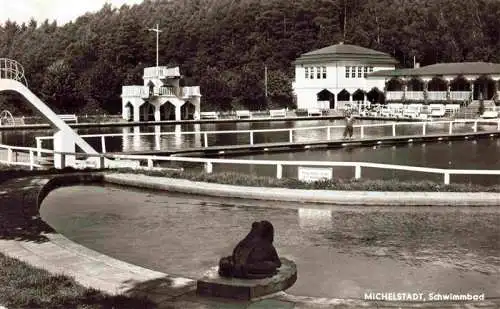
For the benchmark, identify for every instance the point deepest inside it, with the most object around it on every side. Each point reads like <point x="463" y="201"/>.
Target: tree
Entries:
<point x="280" y="90"/>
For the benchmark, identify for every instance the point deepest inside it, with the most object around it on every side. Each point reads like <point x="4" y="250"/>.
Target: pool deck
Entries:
<point x="25" y="236"/>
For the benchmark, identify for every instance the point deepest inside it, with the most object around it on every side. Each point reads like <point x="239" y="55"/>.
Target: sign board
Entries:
<point x="311" y="174"/>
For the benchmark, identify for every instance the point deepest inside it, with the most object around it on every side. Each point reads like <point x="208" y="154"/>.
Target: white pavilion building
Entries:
<point x="161" y="97"/>
<point x="332" y="76"/>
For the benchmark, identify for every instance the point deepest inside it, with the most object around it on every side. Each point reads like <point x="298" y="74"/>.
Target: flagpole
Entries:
<point x="265" y="78"/>
<point x="157" y="30"/>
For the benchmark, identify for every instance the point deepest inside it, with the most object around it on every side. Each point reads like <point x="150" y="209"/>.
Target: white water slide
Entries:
<point x="12" y="79"/>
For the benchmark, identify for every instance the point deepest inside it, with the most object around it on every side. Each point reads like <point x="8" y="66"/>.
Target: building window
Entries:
<point x="347" y="72"/>
<point x="360" y="72"/>
<point x="311" y="75"/>
<point x="366" y="72"/>
<point x="371" y="69"/>
<point x="324" y="72"/>
<point x="353" y="72"/>
<point x="307" y="72"/>
<point x="318" y="72"/>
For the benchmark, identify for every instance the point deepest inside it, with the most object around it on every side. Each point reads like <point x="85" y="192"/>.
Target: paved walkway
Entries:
<point x="25" y="236"/>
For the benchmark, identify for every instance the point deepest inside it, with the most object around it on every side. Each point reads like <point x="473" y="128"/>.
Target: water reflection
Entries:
<point x="125" y="138"/>
<point x="178" y="137"/>
<point x="314" y="217"/>
<point x="157" y="138"/>
<point x="137" y="140"/>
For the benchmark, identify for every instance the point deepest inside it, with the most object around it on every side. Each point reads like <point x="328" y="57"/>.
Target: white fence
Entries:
<point x="414" y="96"/>
<point x="431" y="95"/>
<point x="424" y="128"/>
<point x="460" y="95"/>
<point x="209" y="162"/>
<point x="135" y="91"/>
<point x="161" y="72"/>
<point x="167" y="91"/>
<point x="394" y="95"/>
<point x="437" y="95"/>
<point x="190" y="91"/>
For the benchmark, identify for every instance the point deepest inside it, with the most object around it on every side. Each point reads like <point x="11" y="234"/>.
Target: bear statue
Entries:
<point x="254" y="257"/>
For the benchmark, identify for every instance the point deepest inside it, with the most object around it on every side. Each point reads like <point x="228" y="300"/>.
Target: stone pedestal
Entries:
<point x="245" y="289"/>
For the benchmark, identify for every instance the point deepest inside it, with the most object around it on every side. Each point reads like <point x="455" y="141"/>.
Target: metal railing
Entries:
<point x="190" y="91"/>
<point x="161" y="72"/>
<point x="103" y="160"/>
<point x="135" y="91"/>
<point x="327" y="129"/>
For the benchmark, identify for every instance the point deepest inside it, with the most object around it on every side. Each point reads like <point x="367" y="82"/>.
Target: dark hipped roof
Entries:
<point x="453" y="68"/>
<point x="342" y="51"/>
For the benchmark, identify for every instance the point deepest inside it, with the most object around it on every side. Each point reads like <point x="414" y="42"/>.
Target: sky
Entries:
<point x="60" y="10"/>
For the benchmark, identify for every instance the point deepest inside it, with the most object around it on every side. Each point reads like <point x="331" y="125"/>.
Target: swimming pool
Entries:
<point x="340" y="251"/>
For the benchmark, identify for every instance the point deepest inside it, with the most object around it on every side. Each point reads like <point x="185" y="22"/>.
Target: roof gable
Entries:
<point x="346" y="49"/>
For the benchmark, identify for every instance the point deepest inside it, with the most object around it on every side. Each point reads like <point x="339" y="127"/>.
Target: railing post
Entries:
<point x="357" y="172"/>
<point x="208" y="167"/>
<point x="251" y="137"/>
<point x="205" y="140"/>
<point x="32" y="160"/>
<point x="446" y="178"/>
<point x="475" y="126"/>
<point x="394" y="129"/>
<point x="103" y="144"/>
<point x="362" y="133"/>
<point x="63" y="160"/>
<point x="328" y="134"/>
<point x="39" y="146"/>
<point x="290" y="136"/>
<point x="9" y="155"/>
<point x="424" y="126"/>
<point x="150" y="163"/>
<point x="279" y="171"/>
<point x="450" y="129"/>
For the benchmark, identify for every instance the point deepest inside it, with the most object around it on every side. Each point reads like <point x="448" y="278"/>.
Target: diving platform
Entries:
<point x="160" y="97"/>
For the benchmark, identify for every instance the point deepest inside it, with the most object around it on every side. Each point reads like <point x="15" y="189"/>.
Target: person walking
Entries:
<point x="349" y="129"/>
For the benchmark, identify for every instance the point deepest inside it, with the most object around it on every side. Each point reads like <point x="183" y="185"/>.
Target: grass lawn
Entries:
<point x="23" y="286"/>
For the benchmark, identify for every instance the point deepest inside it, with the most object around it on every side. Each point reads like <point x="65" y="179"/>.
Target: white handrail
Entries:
<point x="251" y="133"/>
<point x="278" y="163"/>
<point x="414" y="123"/>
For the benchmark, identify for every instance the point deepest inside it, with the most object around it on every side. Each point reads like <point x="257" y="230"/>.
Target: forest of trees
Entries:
<point x="223" y="45"/>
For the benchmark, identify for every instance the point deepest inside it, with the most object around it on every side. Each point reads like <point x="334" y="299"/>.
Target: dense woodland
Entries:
<point x="223" y="45"/>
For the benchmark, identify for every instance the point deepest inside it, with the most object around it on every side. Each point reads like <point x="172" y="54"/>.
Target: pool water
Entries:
<point x="339" y="251"/>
